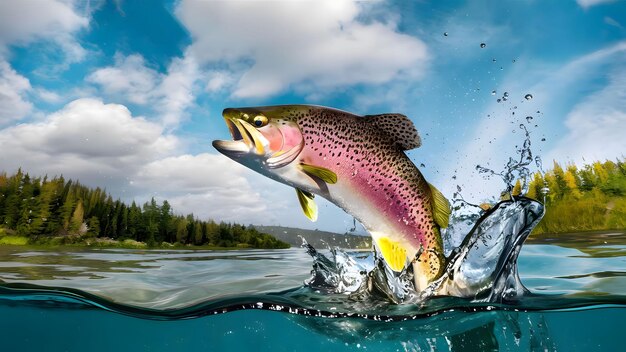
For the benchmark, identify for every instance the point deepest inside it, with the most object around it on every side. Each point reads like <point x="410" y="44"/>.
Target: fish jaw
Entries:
<point x="271" y="150"/>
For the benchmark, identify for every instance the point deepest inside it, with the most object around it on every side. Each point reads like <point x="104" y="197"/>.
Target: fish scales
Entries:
<point x="372" y="164"/>
<point x="356" y="162"/>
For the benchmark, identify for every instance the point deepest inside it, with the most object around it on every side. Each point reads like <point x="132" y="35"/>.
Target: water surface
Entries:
<point x="142" y="300"/>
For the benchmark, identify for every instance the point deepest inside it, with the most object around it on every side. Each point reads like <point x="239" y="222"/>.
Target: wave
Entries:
<point x="287" y="302"/>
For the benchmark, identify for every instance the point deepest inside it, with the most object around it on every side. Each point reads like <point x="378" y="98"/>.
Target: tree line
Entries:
<point x="579" y="199"/>
<point x="41" y="208"/>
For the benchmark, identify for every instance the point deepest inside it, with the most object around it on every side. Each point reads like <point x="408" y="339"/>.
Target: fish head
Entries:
<point x="264" y="139"/>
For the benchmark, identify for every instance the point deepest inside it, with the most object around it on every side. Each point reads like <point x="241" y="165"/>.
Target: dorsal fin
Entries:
<point x="441" y="207"/>
<point x="398" y="127"/>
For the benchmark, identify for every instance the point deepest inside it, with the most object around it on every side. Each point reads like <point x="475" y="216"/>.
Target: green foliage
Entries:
<point x="13" y="240"/>
<point x="60" y="212"/>
<point x="590" y="198"/>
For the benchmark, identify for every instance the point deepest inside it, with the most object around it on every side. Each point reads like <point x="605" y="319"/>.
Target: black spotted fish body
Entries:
<point x="358" y="163"/>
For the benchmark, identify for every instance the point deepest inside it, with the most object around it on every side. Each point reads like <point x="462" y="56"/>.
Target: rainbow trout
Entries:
<point x="356" y="162"/>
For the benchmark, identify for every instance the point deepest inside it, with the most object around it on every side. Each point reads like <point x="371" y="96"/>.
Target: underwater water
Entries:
<point x="570" y="296"/>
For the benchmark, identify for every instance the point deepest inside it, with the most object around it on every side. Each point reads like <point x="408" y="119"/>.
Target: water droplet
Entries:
<point x="543" y="139"/>
<point x="494" y="60"/>
<point x="493" y="92"/>
<point x="506" y="94"/>
<point x="528" y="96"/>
<point x="422" y="165"/>
<point x="529" y="118"/>
<point x="505" y="98"/>
<point x="482" y="45"/>
<point x="445" y="34"/>
<point x="499" y="100"/>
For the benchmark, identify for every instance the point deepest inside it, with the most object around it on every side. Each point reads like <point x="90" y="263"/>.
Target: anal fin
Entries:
<point x="393" y="253"/>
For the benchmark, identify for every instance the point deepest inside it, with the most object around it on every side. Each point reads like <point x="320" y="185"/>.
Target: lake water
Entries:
<point x="140" y="300"/>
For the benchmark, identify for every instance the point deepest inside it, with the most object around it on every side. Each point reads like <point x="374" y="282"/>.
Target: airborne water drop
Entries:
<point x="482" y="45"/>
<point x="528" y="96"/>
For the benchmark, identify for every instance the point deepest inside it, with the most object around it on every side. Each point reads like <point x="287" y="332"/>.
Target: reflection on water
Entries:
<point x="562" y="264"/>
<point x="158" y="279"/>
<point x="574" y="292"/>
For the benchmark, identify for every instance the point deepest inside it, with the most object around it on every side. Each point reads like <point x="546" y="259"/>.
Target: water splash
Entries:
<point x="483" y="266"/>
<point x="515" y="168"/>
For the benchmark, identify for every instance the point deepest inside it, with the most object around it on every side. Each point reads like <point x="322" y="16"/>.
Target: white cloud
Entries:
<point x="589" y="3"/>
<point x="218" y="80"/>
<point x="303" y="45"/>
<point x="595" y="126"/>
<point x="101" y="144"/>
<point x="176" y="89"/>
<point x="131" y="79"/>
<point x="104" y="145"/>
<point x="208" y="185"/>
<point x="22" y="22"/>
<point x="13" y="90"/>
<point x="48" y="96"/>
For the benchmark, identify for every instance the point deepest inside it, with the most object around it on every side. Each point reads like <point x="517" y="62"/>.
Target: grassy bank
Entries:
<point x="11" y="239"/>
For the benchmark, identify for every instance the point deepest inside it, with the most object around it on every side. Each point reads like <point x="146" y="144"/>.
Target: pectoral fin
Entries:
<point x="308" y="204"/>
<point x="320" y="172"/>
<point x="393" y="252"/>
<point x="441" y="207"/>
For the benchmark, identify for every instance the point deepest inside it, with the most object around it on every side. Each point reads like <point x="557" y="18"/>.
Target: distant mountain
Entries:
<point x="315" y="237"/>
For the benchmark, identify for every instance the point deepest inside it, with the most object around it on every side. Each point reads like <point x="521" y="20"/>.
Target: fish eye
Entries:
<point x="260" y="121"/>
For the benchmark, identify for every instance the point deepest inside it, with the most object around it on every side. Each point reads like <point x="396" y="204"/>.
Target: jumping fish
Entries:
<point x="356" y="162"/>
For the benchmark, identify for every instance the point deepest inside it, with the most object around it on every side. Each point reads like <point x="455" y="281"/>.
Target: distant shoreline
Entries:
<point x="9" y="238"/>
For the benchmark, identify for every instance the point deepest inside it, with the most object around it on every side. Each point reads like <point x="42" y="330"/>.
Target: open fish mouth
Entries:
<point x="246" y="138"/>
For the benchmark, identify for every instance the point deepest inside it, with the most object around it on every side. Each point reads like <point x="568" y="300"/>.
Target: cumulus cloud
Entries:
<point x="13" y="90"/>
<point x="101" y="144"/>
<point x="208" y="185"/>
<point x="131" y="79"/>
<point x="589" y="3"/>
<point x="104" y="145"/>
<point x="22" y="22"/>
<point x="302" y="45"/>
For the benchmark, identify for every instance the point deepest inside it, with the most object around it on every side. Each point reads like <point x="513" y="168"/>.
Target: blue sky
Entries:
<point x="128" y="95"/>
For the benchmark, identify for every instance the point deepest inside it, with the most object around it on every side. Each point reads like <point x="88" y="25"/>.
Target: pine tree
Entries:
<point x="197" y="237"/>
<point x="76" y="222"/>
<point x="181" y="231"/>
<point x="166" y="228"/>
<point x="93" y="227"/>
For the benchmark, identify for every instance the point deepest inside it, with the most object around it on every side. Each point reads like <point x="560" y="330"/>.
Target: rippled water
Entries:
<point x="141" y="300"/>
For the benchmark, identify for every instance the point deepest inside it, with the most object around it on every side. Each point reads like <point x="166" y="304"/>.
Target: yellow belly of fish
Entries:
<point x="426" y="268"/>
<point x="394" y="253"/>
